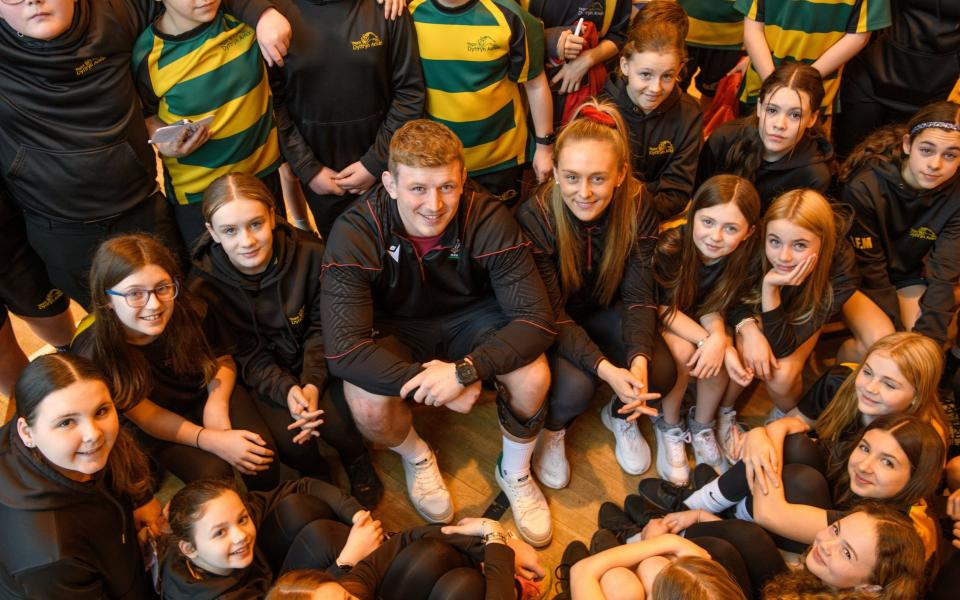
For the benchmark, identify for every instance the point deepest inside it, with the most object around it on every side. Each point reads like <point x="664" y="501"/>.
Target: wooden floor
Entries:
<point x="467" y="447"/>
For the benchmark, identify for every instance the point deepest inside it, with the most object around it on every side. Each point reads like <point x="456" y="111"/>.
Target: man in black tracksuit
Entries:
<point x="73" y="143"/>
<point x="428" y="267"/>
<point x="351" y="78"/>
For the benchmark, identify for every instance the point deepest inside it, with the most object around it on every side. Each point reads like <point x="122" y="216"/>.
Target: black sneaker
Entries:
<point x="612" y="518"/>
<point x="702" y="475"/>
<point x="640" y="511"/>
<point x="572" y="554"/>
<point x="603" y="539"/>
<point x="365" y="484"/>
<point x="664" y="495"/>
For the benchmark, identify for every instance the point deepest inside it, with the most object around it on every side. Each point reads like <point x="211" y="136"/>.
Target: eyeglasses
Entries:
<point x="138" y="298"/>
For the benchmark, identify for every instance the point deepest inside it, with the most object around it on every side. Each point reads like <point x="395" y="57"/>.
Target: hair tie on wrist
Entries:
<point x="597" y="116"/>
<point x="931" y="124"/>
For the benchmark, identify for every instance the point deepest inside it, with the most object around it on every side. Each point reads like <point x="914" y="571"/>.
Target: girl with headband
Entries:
<point x="594" y="230"/>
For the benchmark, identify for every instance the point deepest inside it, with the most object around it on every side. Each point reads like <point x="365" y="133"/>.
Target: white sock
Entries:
<point x="637" y="537"/>
<point x="741" y="511"/>
<point x="516" y="455"/>
<point x="413" y="447"/>
<point x="709" y="498"/>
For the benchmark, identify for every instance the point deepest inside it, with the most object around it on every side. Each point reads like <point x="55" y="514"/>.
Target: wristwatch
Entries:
<point x="466" y="372"/>
<point x="547" y="140"/>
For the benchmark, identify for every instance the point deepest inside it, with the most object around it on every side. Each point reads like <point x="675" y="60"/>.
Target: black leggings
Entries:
<point x="191" y="464"/>
<point x="572" y="388"/>
<point x="744" y="549"/>
<point x="338" y="430"/>
<point x="301" y="532"/>
<point x="433" y="570"/>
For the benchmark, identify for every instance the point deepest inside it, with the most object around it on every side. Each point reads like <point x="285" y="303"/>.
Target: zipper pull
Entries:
<point x="123" y="537"/>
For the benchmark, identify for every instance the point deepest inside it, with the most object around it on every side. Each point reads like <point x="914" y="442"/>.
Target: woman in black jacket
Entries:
<point x="263" y="277"/>
<point x="70" y="480"/>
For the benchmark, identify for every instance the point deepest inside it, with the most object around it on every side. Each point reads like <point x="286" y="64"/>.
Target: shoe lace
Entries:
<point x="707" y="444"/>
<point x="526" y="497"/>
<point x="555" y="441"/>
<point x="675" y="447"/>
<point x="629" y="430"/>
<point x="424" y="476"/>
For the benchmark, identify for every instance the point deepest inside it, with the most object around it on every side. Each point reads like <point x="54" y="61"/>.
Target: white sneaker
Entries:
<point x="426" y="488"/>
<point x="730" y="435"/>
<point x="530" y="510"/>
<point x="672" y="454"/>
<point x="633" y="452"/>
<point x="550" y="459"/>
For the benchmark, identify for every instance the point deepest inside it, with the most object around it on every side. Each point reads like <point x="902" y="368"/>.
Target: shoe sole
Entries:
<point x="606" y="419"/>
<point x="530" y="540"/>
<point x="666" y="476"/>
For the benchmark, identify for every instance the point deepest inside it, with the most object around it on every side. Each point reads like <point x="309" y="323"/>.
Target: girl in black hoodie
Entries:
<point x="229" y="545"/>
<point x="70" y="480"/>
<point x="264" y="277"/>
<point x="902" y="184"/>
<point x="780" y="148"/>
<point x="665" y="124"/>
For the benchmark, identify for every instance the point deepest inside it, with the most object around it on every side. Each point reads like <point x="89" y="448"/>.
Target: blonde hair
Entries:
<point x="596" y="121"/>
<point x="920" y="361"/>
<point x="695" y="578"/>
<point x="808" y="209"/>
<point x="424" y="143"/>
<point x="234" y="186"/>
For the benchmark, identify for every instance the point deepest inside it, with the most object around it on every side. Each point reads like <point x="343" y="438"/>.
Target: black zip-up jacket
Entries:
<point x="178" y="583"/>
<point x="350" y="80"/>
<point x="275" y="316"/>
<point x="73" y="143"/>
<point x="916" y="60"/>
<point x="63" y="539"/>
<point x="784" y="336"/>
<point x="665" y="145"/>
<point x="365" y="578"/>
<point x="902" y="234"/>
<point x="809" y="165"/>
<point x="636" y="290"/>
<point x="372" y="270"/>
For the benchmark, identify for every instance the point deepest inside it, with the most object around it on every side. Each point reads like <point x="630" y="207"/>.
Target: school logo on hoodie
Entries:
<point x="88" y="65"/>
<point x="367" y="41"/>
<point x="594" y="10"/>
<point x="663" y="147"/>
<point x="297" y="318"/>
<point x="923" y="233"/>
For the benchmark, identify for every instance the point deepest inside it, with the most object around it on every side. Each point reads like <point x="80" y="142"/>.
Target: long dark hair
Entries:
<point x="886" y="143"/>
<point x="923" y="447"/>
<point x="745" y="155"/>
<point x="127" y="472"/>
<point x="183" y="337"/>
<point x="682" y="282"/>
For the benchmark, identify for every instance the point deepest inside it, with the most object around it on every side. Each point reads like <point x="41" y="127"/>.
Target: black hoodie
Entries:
<point x="808" y="165"/>
<point x="73" y="143"/>
<point x="351" y="79"/>
<point x="665" y="145"/>
<point x="63" y="539"/>
<point x="900" y="235"/>
<point x="636" y="290"/>
<point x="274" y="316"/>
<point x="180" y="582"/>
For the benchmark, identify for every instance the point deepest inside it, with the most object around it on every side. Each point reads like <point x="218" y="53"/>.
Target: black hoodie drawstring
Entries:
<point x="120" y="509"/>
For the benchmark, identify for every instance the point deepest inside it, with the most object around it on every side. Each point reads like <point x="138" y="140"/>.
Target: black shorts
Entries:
<point x="25" y="288"/>
<point x="445" y="338"/>
<point x="714" y="65"/>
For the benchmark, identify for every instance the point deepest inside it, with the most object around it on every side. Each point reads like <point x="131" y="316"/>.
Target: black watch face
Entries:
<point x="466" y="373"/>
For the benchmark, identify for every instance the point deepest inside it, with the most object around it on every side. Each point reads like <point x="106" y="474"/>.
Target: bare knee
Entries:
<point x="528" y="385"/>
<point x="621" y="583"/>
<point x="372" y="412"/>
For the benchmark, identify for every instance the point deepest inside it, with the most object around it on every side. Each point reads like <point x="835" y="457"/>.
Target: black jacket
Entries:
<point x="636" y="289"/>
<point x="809" y="165"/>
<point x="63" y="539"/>
<point x="902" y="234"/>
<point x="665" y="145"/>
<point x="73" y="143"/>
<point x="178" y="583"/>
<point x="275" y="317"/>
<point x="350" y="80"/>
<point x="365" y="578"/>
<point x="784" y="336"/>
<point x="372" y="270"/>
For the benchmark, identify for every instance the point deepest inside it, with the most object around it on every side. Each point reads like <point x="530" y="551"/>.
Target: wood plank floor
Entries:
<point x="467" y="447"/>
